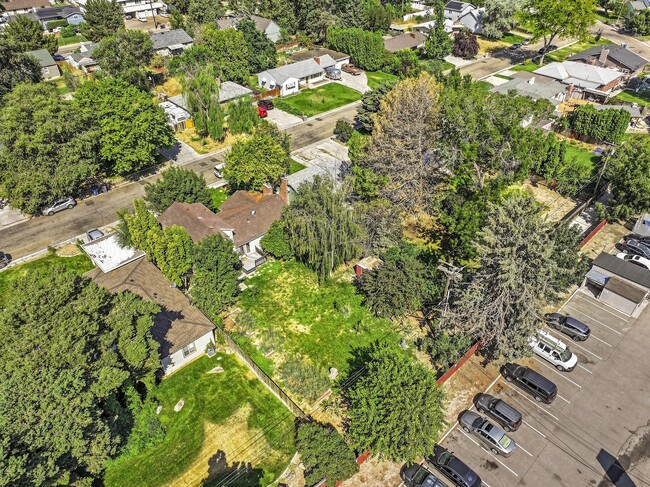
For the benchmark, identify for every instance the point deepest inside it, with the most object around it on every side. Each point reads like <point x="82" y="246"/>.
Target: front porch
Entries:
<point x="252" y="261"/>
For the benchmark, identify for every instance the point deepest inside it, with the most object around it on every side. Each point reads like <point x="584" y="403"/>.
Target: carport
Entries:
<point x="619" y="284"/>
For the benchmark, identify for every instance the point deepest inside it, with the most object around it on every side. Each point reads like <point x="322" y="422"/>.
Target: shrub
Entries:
<point x="445" y="349"/>
<point x="465" y="45"/>
<point x="573" y="175"/>
<point x="343" y="130"/>
<point x="276" y="241"/>
<point x="147" y="429"/>
<point x="68" y="31"/>
<point x="56" y="23"/>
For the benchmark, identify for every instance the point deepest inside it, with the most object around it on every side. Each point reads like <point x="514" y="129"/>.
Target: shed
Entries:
<point x="367" y="264"/>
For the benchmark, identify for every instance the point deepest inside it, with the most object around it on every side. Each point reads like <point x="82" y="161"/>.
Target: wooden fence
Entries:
<point x="593" y="233"/>
<point x="454" y="368"/>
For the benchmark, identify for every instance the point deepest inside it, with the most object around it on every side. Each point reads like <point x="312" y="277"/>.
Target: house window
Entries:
<point x="189" y="349"/>
<point x="290" y="86"/>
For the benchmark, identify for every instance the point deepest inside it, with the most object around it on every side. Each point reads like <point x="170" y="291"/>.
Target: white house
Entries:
<point x="83" y="59"/>
<point x="455" y="10"/>
<point x="464" y="15"/>
<point x="171" y="42"/>
<point x="291" y="77"/>
<point x="134" y="7"/>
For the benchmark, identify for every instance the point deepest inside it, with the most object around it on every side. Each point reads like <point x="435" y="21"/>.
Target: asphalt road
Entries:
<point x="40" y="232"/>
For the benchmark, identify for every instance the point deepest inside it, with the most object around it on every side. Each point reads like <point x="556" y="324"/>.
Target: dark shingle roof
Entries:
<point x="11" y="5"/>
<point x="623" y="269"/>
<point x="405" y="41"/>
<point x="62" y="11"/>
<point x="456" y="6"/>
<point x="619" y="54"/>
<point x="43" y="57"/>
<point x="169" y="38"/>
<point x="313" y="53"/>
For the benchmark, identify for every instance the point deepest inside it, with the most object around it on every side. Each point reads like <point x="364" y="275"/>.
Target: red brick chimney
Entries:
<point x="284" y="190"/>
<point x="569" y="91"/>
<point x="267" y="189"/>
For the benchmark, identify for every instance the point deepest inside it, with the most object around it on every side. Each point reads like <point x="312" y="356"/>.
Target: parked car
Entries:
<point x="635" y="247"/>
<point x="502" y="412"/>
<point x="568" y="325"/>
<point x="164" y="14"/>
<point x="218" y="170"/>
<point x="515" y="46"/>
<point x="94" y="234"/>
<point x="351" y="69"/>
<point x="526" y="41"/>
<point x="59" y="57"/>
<point x="266" y="104"/>
<point x="56" y="30"/>
<point x="128" y="16"/>
<point x="4" y="260"/>
<point x="59" y="205"/>
<point x="454" y="469"/>
<point x="635" y="236"/>
<point x="634" y="259"/>
<point x="418" y="476"/>
<point x="490" y="434"/>
<point x="535" y="384"/>
<point x="261" y="111"/>
<point x="547" y="49"/>
<point x="553" y="350"/>
<point x="141" y="17"/>
<point x="333" y="73"/>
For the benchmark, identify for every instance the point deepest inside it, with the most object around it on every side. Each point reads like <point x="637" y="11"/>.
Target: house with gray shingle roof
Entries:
<point x="171" y="42"/>
<point x="585" y="81"/>
<point x="49" y="68"/>
<point x="83" y="59"/>
<point x="291" y="77"/>
<point x="612" y="56"/>
<point x="410" y="40"/>
<point x="266" y="26"/>
<point x="535" y="87"/>
<point x="228" y="90"/>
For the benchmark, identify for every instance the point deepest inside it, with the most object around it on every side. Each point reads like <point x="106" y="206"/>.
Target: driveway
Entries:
<point x="180" y="153"/>
<point x="282" y="119"/>
<point x="359" y="83"/>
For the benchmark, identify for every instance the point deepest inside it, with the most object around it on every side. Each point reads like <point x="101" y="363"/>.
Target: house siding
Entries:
<point x="176" y="360"/>
<point x="75" y="19"/>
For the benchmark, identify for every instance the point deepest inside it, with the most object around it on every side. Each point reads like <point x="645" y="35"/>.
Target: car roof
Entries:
<point x="506" y="408"/>
<point x="533" y="376"/>
<point x="462" y="469"/>
<point x="577" y="323"/>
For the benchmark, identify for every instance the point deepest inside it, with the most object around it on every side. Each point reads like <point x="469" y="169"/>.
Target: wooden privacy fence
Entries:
<point x="454" y="368"/>
<point x="593" y="233"/>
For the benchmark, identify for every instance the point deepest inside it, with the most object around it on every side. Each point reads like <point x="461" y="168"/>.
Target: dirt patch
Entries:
<point x="171" y="87"/>
<point x="605" y="239"/>
<point x="68" y="250"/>
<point x="376" y="472"/>
<point x="554" y="205"/>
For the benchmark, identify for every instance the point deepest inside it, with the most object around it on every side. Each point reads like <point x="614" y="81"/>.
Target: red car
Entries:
<point x="261" y="111"/>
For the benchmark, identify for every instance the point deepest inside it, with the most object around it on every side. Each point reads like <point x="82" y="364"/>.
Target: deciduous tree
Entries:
<point x="603" y="125"/>
<point x="366" y="49"/>
<point x="28" y="35"/>
<point x="177" y="184"/>
<point x="395" y="408"/>
<point x="242" y="115"/>
<point x="204" y="11"/>
<point x="229" y="53"/>
<point x="498" y="18"/>
<point x="465" y="44"/>
<point x="123" y="53"/>
<point x="261" y="50"/>
<point x="324" y="453"/>
<point x="629" y="178"/>
<point x="639" y="22"/>
<point x="276" y="241"/>
<point x="201" y="91"/>
<point x="255" y="161"/>
<point x="438" y="45"/>
<point x="103" y="18"/>
<point x="16" y="67"/>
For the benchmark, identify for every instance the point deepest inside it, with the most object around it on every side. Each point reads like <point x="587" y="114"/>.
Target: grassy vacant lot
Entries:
<point x="78" y="263"/>
<point x="581" y="154"/>
<point x="64" y="41"/>
<point x="378" y="77"/>
<point x="642" y="98"/>
<point x="563" y="53"/>
<point x="295" y="317"/>
<point x="311" y="102"/>
<point x="230" y="425"/>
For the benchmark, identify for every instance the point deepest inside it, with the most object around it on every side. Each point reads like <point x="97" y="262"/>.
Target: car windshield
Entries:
<point x="505" y="441"/>
<point x="566" y="355"/>
<point x="419" y="477"/>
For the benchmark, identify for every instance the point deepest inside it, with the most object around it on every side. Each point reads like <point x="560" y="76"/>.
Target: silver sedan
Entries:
<point x="491" y="435"/>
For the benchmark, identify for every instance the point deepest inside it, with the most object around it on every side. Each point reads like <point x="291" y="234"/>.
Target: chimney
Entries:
<point x="531" y="81"/>
<point x="569" y="91"/>
<point x="603" y="56"/>
<point x="412" y="34"/>
<point x="267" y="189"/>
<point x="317" y="59"/>
<point x="284" y="195"/>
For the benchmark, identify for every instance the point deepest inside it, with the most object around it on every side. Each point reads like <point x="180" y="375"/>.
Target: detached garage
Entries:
<point x="619" y="284"/>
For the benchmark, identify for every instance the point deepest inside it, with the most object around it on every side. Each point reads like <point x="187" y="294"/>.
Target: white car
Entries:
<point x="635" y="259"/>
<point x="555" y="351"/>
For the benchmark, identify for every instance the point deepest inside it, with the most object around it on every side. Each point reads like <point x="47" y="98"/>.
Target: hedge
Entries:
<point x="56" y="23"/>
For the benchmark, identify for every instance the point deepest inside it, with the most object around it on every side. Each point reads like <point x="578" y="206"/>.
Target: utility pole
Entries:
<point x="610" y="152"/>
<point x="452" y="272"/>
<point x="153" y="14"/>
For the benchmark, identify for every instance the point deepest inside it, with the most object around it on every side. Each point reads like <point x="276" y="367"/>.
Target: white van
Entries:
<point x="555" y="351"/>
<point x="141" y="16"/>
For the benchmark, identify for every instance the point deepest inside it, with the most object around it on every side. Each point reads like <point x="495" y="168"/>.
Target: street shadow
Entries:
<point x="613" y="470"/>
<point x="239" y="473"/>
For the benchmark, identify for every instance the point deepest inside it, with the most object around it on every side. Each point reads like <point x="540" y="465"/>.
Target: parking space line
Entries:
<point x="584" y="368"/>
<point x="564" y="399"/>
<point x="447" y="433"/>
<point x="561" y="374"/>
<point x="595" y="320"/>
<point x="586" y="350"/>
<point x="489" y="453"/>
<point x="535" y="430"/>
<point x="600" y="340"/>
<point x="525" y="451"/>
<point x="530" y="400"/>
<point x="593" y="302"/>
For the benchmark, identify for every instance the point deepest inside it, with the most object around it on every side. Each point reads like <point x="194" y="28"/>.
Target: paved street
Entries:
<point x="634" y="45"/>
<point x="39" y="232"/>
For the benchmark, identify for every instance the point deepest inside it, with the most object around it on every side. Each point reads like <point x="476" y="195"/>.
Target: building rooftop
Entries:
<point x="457" y="6"/>
<point x="625" y="289"/>
<point x="298" y="70"/>
<point x="316" y="53"/>
<point x="623" y="269"/>
<point x="178" y="323"/>
<point x="228" y="90"/>
<point x="579" y="74"/>
<point x="621" y="55"/>
<point x="170" y="38"/>
<point x="61" y="11"/>
<point x="635" y="112"/>
<point x="261" y="23"/>
<point x="535" y="87"/>
<point x="404" y="41"/>
<point x="107" y="254"/>
<point x="12" y="5"/>
<point x="44" y="58"/>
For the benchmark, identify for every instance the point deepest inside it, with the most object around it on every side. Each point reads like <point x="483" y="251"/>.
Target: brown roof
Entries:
<point x="314" y="53"/>
<point x="11" y="5"/>
<point x="405" y="41"/>
<point x="248" y="215"/>
<point x="178" y="324"/>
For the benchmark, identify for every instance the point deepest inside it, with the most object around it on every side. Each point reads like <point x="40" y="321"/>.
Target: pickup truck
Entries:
<point x="351" y="69"/>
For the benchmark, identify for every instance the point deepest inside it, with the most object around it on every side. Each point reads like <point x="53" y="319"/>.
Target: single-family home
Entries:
<point x="177" y="117"/>
<point x="455" y="10"/>
<point x="331" y="168"/>
<point x="464" y="15"/>
<point x="83" y="59"/>
<point x="426" y="27"/>
<point x="228" y="91"/>
<point x="49" y="68"/>
<point x="612" y="56"/>
<point x="635" y="7"/>
<point x="534" y="86"/>
<point x="324" y="57"/>
<point x="64" y="12"/>
<point x="267" y="26"/>
<point x="244" y="218"/>
<point x="585" y="81"/>
<point x="410" y="40"/>
<point x="288" y="79"/>
<point x="16" y="7"/>
<point x="137" y="8"/>
<point x="171" y="42"/>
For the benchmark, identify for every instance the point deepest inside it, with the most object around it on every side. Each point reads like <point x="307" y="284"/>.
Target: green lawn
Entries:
<point x="219" y="195"/>
<point x="502" y="76"/>
<point x="512" y="39"/>
<point x="64" y="41"/>
<point x="311" y="102"/>
<point x="378" y="77"/>
<point x="433" y="66"/>
<point x="527" y="66"/>
<point x="295" y="166"/>
<point x="295" y="317"/>
<point x="581" y="154"/>
<point x="240" y="416"/>
<point x="484" y="85"/>
<point x="78" y="263"/>
<point x="642" y="98"/>
<point x="563" y="53"/>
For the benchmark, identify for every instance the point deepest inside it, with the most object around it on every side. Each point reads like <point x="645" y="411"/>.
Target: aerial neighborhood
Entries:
<point x="300" y="243"/>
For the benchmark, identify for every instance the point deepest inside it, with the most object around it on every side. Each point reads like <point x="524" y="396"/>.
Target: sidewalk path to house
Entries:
<point x="40" y="232"/>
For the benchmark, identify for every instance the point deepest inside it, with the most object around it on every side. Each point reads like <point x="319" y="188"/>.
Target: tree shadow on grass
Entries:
<point x="239" y="474"/>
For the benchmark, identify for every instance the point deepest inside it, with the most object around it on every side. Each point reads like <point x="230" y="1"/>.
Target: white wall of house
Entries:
<point x="251" y="246"/>
<point x="75" y="19"/>
<point x="194" y="350"/>
<point x="289" y="87"/>
<point x="339" y="64"/>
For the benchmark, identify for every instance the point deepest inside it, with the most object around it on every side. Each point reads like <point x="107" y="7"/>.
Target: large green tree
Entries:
<point x="48" y="149"/>
<point x="132" y="127"/>
<point x="177" y="184"/>
<point x="261" y="50"/>
<point x="370" y="104"/>
<point x="103" y="18"/>
<point x="324" y="453"/>
<point x="322" y="227"/>
<point x="16" y="67"/>
<point x="438" y="45"/>
<point x="254" y="161"/>
<point x="395" y="409"/>
<point x="215" y="273"/>
<point x="69" y="351"/>
<point x="639" y="22"/>
<point x="498" y="18"/>
<point x="629" y="178"/>
<point x="201" y="90"/>
<point x="551" y="19"/>
<point x="28" y="35"/>
<point x="124" y="54"/>
<point x="366" y="49"/>
<point x="229" y="51"/>
<point x="204" y="11"/>
<point x="602" y="125"/>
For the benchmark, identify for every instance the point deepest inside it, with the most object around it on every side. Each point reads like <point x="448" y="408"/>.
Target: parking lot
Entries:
<point x="597" y="431"/>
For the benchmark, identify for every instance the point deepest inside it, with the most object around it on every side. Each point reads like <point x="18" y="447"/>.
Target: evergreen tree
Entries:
<point x="102" y="18"/>
<point x="28" y="35"/>
<point x="438" y="45"/>
<point x="370" y="102"/>
<point x="629" y="178"/>
<point x="16" y="67"/>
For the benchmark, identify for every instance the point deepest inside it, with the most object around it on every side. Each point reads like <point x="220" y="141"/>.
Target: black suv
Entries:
<point x="536" y="384"/>
<point x="452" y="468"/>
<point x="635" y="247"/>
<point x="266" y="104"/>
<point x="4" y="260"/>
<point x="576" y="329"/>
<point x="499" y="410"/>
<point x="418" y="476"/>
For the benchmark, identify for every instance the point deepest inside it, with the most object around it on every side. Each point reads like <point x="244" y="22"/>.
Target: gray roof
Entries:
<point x="579" y="74"/>
<point x="457" y="6"/>
<point x="621" y="55"/>
<point x="169" y="38"/>
<point x="297" y="70"/>
<point x="623" y="269"/>
<point x="261" y="23"/>
<point x="44" y="58"/>
<point x="330" y="167"/>
<point x="404" y="41"/>
<point x="314" y="53"/>
<point x="635" y="112"/>
<point x="539" y="88"/>
<point x="228" y="90"/>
